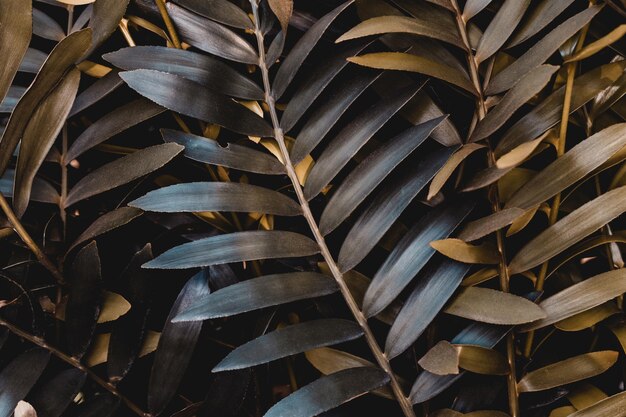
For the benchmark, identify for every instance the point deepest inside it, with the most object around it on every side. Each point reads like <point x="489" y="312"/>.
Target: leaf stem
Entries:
<point x="381" y="358"/>
<point x="28" y="241"/>
<point x="168" y="23"/>
<point x="76" y="364"/>
<point x="481" y="111"/>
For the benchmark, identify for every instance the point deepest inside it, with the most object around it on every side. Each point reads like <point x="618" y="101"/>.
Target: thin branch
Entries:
<point x="28" y="241"/>
<point x="168" y="23"/>
<point x="76" y="364"/>
<point x="381" y="359"/>
<point x="503" y="271"/>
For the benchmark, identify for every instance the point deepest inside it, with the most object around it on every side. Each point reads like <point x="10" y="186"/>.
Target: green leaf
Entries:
<point x="192" y="99"/>
<point x="570" y="370"/>
<point x="217" y="196"/>
<point x="540" y="52"/>
<point x="400" y="24"/>
<point x="329" y="392"/>
<point x="400" y="61"/>
<point x="122" y="171"/>
<point x="500" y="28"/>
<point x="569" y="230"/>
<point x="39" y="136"/>
<point x="370" y="173"/>
<point x="494" y="307"/>
<point x="580" y="297"/>
<point x="15" y="34"/>
<point x="257" y="293"/>
<point x="290" y="341"/>
<point x="235" y="247"/>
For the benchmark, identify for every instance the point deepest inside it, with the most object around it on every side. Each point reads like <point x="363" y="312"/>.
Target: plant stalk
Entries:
<point x="379" y="355"/>
<point x="168" y="23"/>
<point x="503" y="271"/>
<point x="76" y="364"/>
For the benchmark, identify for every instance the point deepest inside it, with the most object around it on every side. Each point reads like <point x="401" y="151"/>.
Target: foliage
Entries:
<point x="268" y="207"/>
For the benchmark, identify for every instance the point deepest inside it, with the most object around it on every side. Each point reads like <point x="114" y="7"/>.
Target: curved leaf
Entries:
<point x="540" y="52"/>
<point x="482" y="227"/>
<point x="192" y="99"/>
<point x="202" y="69"/>
<point x="122" y="171"/>
<point x="221" y="11"/>
<point x="569" y="230"/>
<point x="211" y="37"/>
<point x="232" y="155"/>
<point x="16" y="25"/>
<point x="473" y="7"/>
<point x="105" y="16"/>
<point x="105" y="223"/>
<point x="289" y="341"/>
<point x="329" y="392"/>
<point x="46" y="27"/>
<point x="41" y="191"/>
<point x="385" y="209"/>
<point x="257" y="293"/>
<point x="96" y="91"/>
<point x="370" y="173"/>
<point x="32" y="61"/>
<point x="117" y="121"/>
<point x="235" y="247"/>
<point x="612" y="406"/>
<point x="456" y="249"/>
<point x="538" y="18"/>
<point x="217" y="196"/>
<point x="410" y="255"/>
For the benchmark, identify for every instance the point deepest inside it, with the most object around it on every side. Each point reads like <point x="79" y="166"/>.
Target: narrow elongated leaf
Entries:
<point x="105" y="17"/>
<point x="259" y="293"/>
<point x="41" y="191"/>
<point x="290" y="341"/>
<point x="320" y="122"/>
<point x="525" y="89"/>
<point x="569" y="230"/>
<point x="329" y="392"/>
<point x="65" y="54"/>
<point x="570" y="370"/>
<point x="84" y="300"/>
<point x="122" y="171"/>
<point x="200" y="68"/>
<point x="211" y="37"/>
<point x="481" y="360"/>
<point x="501" y="27"/>
<point x="304" y="97"/>
<point x="538" y="18"/>
<point x="421" y="109"/>
<point x="482" y="227"/>
<point x="473" y="7"/>
<point x="450" y="166"/>
<point x="352" y="138"/>
<point x="400" y="24"/>
<point x="235" y="247"/>
<point x="400" y="61"/>
<point x="52" y="398"/>
<point x="46" y="27"/>
<point x="232" y="155"/>
<point x="385" y="209"/>
<point x="16" y="23"/>
<point x="588" y="318"/>
<point x="105" y="223"/>
<point x="39" y="136"/>
<point x="410" y="255"/>
<point x="581" y="297"/>
<point x="19" y="376"/>
<point x="548" y="112"/>
<point x="540" y="52"/>
<point x="117" y="121"/>
<point x="594" y="47"/>
<point x="571" y="167"/>
<point x="370" y="173"/>
<point x="96" y="91"/>
<point x="283" y="9"/>
<point x="291" y="64"/>
<point x="13" y="96"/>
<point x="461" y="251"/>
<point x="494" y="307"/>
<point x="519" y="154"/>
<point x="32" y="61"/>
<point x="612" y="406"/>
<point x="192" y="99"/>
<point x="434" y="287"/>
<point x="217" y="196"/>
<point x="221" y="11"/>
<point x="176" y="346"/>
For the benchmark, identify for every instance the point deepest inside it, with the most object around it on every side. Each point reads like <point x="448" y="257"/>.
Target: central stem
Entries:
<point x="381" y="359"/>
